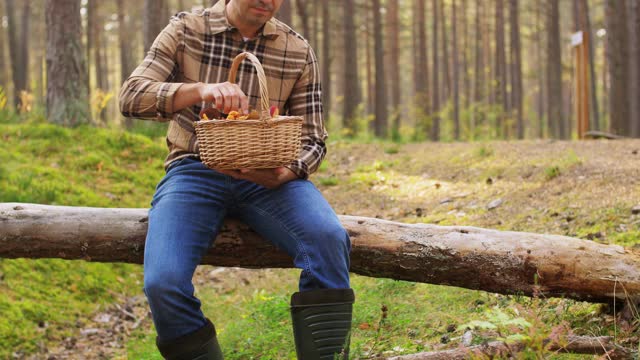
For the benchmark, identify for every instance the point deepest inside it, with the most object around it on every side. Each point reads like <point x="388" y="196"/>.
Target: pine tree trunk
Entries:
<point x="284" y="13"/>
<point x="25" y="38"/>
<point x="326" y="57"/>
<point x="18" y="68"/>
<point x="500" y="73"/>
<point x="421" y="67"/>
<point x="125" y="49"/>
<point x="351" y="81"/>
<point x="435" y="96"/>
<point x="444" y="60"/>
<point x="4" y="76"/>
<point x="466" y="79"/>
<point x="380" y="85"/>
<point x="516" y="65"/>
<point x="154" y="21"/>
<point x="456" y="71"/>
<point x="67" y="87"/>
<point x="540" y="68"/>
<point x="301" y="8"/>
<point x="634" y="79"/>
<point x="90" y="45"/>
<point x="393" y="43"/>
<point x="618" y="60"/>
<point x="371" y="88"/>
<point x="126" y="66"/>
<point x="595" y="103"/>
<point x="38" y="46"/>
<point x="315" y="16"/>
<point x="555" y="116"/>
<point x="478" y="83"/>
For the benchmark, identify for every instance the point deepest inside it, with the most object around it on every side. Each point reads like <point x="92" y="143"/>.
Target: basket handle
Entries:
<point x="262" y="79"/>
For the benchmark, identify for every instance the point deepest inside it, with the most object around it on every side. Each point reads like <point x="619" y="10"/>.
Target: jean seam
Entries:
<point x="299" y="244"/>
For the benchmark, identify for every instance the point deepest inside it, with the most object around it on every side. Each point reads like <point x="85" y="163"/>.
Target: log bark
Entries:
<point x="503" y="262"/>
<point x="602" y="345"/>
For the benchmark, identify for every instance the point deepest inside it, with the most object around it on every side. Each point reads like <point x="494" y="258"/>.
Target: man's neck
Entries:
<point x="247" y="31"/>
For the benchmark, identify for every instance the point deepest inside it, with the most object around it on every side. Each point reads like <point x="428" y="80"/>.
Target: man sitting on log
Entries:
<point x="185" y="69"/>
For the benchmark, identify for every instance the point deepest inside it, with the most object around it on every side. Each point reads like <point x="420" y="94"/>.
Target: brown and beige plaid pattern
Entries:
<point x="200" y="47"/>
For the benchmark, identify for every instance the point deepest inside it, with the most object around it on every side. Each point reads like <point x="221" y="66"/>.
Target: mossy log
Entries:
<point x="502" y="262"/>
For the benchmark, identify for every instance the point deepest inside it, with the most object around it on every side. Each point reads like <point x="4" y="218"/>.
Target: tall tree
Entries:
<point x="478" y="68"/>
<point x="284" y="14"/>
<point x="154" y="21"/>
<point x="500" y="81"/>
<point x="634" y="43"/>
<point x="516" y="66"/>
<point x="466" y="79"/>
<point x="446" y="74"/>
<point x="595" y="107"/>
<point x="67" y="86"/>
<point x="326" y="55"/>
<point x="421" y="64"/>
<point x="618" y="60"/>
<point x="555" y="116"/>
<point x="101" y="73"/>
<point x="371" y="87"/>
<point x="301" y="7"/>
<point x="381" y="86"/>
<point x="90" y="46"/>
<point x="456" y="68"/>
<point x="540" y="68"/>
<point x="4" y="80"/>
<point x="393" y="43"/>
<point x="435" y="126"/>
<point x="315" y="17"/>
<point x="352" y="87"/>
<point x="126" y="63"/>
<point x="18" y="47"/>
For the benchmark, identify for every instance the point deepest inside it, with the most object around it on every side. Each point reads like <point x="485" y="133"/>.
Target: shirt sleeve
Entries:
<point x="306" y="101"/>
<point x="148" y="93"/>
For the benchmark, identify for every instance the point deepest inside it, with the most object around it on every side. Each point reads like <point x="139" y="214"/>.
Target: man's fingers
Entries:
<point x="218" y="98"/>
<point x="227" y="99"/>
<point x="243" y="101"/>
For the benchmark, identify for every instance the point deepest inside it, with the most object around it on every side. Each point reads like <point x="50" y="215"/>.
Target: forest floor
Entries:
<point x="585" y="189"/>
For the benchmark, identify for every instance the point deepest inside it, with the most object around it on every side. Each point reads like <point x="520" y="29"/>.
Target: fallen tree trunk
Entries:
<point x="602" y="345"/>
<point x="496" y="261"/>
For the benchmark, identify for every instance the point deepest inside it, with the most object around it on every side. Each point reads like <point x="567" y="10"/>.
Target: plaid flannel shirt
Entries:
<point x="200" y="47"/>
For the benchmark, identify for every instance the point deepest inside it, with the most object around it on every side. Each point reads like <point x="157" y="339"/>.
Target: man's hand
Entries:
<point x="269" y="178"/>
<point x="226" y="96"/>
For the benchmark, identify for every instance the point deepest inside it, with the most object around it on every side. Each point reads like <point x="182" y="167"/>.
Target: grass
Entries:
<point x="42" y="301"/>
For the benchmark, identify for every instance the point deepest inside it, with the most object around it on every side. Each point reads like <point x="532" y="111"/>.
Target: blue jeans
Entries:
<point x="187" y="210"/>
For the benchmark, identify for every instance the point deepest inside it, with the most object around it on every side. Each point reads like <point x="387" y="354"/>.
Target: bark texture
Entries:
<point x="67" y="82"/>
<point x="474" y="258"/>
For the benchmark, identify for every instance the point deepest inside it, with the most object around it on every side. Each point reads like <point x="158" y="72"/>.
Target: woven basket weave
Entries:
<point x="250" y="144"/>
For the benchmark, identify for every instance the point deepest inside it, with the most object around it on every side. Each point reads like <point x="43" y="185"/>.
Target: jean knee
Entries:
<point x="160" y="284"/>
<point x="334" y="244"/>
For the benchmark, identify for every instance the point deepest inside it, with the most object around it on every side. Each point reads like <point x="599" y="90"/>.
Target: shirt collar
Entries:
<point x="220" y="23"/>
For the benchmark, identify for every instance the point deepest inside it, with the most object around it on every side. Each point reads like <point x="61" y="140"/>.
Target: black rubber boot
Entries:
<point x="199" y="345"/>
<point x="322" y="323"/>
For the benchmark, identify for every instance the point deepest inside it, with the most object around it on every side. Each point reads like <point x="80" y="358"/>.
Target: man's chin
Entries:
<point x="258" y="21"/>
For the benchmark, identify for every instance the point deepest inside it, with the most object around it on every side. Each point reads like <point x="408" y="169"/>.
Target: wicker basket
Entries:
<point x="250" y="144"/>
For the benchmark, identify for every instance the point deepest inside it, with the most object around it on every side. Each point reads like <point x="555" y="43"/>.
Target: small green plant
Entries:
<point x="552" y="172"/>
<point x="393" y="149"/>
<point x="484" y="152"/>
<point x="328" y="181"/>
